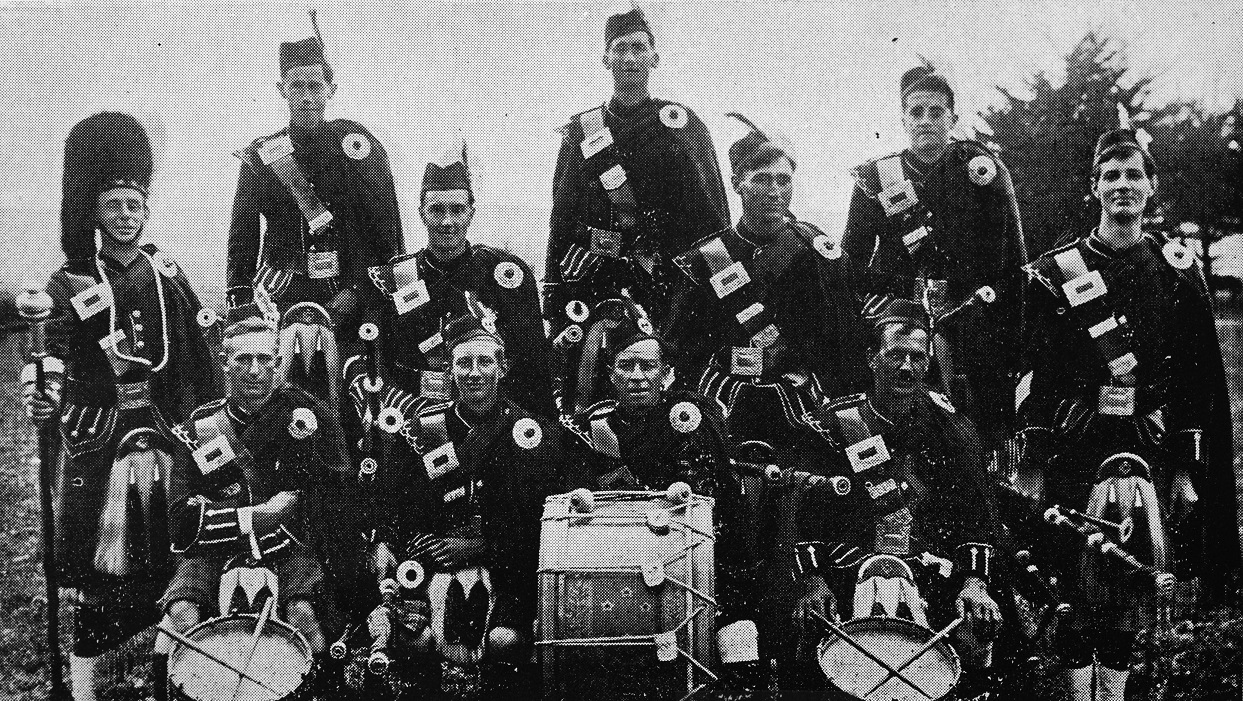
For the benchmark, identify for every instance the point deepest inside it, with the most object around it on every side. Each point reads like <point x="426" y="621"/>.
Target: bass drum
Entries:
<point x="626" y="594"/>
<point x="282" y="661"/>
<point x="894" y="640"/>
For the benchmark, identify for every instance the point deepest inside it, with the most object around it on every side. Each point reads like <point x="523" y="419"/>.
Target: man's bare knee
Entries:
<point x="503" y="642"/>
<point x="301" y="615"/>
<point x="182" y="615"/>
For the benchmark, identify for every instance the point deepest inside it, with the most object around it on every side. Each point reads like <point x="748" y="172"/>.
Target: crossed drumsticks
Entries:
<point x="890" y="671"/>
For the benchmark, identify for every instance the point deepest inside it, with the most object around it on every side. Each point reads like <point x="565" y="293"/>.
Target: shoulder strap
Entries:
<point x="1090" y="306"/>
<point x="277" y="153"/>
<point x="897" y="196"/>
<point x="597" y="140"/>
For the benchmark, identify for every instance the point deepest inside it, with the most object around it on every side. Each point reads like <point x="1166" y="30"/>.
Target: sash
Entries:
<point x="901" y="204"/>
<point x="442" y="459"/>
<point x="402" y="285"/>
<point x="596" y="140"/>
<point x="744" y="298"/>
<point x="277" y="154"/>
<point x="1091" y="309"/>
<point x="870" y="460"/>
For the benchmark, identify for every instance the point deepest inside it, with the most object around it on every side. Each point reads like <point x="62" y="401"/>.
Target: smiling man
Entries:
<point x="126" y="361"/>
<point x="419" y="293"/>
<point x="1124" y="357"/>
<point x="637" y="181"/>
<point x="933" y="224"/>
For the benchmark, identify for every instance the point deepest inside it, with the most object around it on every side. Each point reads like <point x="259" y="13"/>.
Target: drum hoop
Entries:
<point x="298" y="638"/>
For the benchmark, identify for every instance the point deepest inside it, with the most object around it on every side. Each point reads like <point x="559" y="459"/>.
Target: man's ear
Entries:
<point x="280" y="88"/>
<point x="736" y="180"/>
<point x="332" y="90"/>
<point x="655" y="59"/>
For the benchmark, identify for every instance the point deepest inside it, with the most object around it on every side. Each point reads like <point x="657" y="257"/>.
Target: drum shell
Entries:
<point x="893" y="640"/>
<point x="224" y="636"/>
<point x="591" y="586"/>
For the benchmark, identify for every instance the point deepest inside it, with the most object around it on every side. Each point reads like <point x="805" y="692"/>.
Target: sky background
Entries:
<point x="507" y="75"/>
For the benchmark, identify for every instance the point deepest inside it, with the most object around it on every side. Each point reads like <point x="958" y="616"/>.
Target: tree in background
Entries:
<point x="1047" y="143"/>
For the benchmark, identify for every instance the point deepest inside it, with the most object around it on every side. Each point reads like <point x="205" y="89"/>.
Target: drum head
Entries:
<point x="893" y="640"/>
<point x="282" y="660"/>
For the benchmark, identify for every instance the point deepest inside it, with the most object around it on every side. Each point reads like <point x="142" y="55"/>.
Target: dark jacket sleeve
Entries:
<point x="244" y="228"/>
<point x="566" y="206"/>
<point x="706" y="208"/>
<point x="379" y="216"/>
<point x="528" y="348"/>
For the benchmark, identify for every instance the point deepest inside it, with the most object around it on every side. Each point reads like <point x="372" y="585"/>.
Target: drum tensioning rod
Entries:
<point x="867" y="653"/>
<point x="918" y="653"/>
<point x="199" y="649"/>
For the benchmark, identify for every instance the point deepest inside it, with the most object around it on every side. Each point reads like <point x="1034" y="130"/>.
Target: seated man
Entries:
<point x="254" y="495"/>
<point x="650" y="437"/>
<point x="916" y="490"/>
<point x="458" y="504"/>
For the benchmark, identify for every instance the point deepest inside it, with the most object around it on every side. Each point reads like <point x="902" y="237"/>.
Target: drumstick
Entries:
<point x="254" y="641"/>
<point x="919" y="653"/>
<point x="867" y="653"/>
<point x="200" y="650"/>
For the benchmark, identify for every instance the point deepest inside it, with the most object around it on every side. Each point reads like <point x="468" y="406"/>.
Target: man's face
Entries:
<point x="901" y="363"/>
<point x="478" y="367"/>
<point x="307" y="92"/>
<point x="631" y="58"/>
<point x="122" y="213"/>
<point x="1123" y="187"/>
<point x="251" y="365"/>
<point x="766" y="192"/>
<point x="927" y="116"/>
<point x="446" y="214"/>
<point x="638" y="373"/>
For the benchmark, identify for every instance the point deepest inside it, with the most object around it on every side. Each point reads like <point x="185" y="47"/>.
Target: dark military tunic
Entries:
<point x="171" y="369"/>
<point x="805" y="288"/>
<point x="966" y="202"/>
<point x="506" y="463"/>
<point x="1161" y="314"/>
<point x="484" y="281"/>
<point x="349" y="171"/>
<point x="273" y="454"/>
<point x="595" y="247"/>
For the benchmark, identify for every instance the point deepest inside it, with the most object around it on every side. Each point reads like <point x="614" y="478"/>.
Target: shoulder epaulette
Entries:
<point x="686" y="260"/>
<point x="401" y="257"/>
<point x="866" y="177"/>
<point x="847" y="401"/>
<point x="604" y="407"/>
<point x="972" y="147"/>
<point x="942" y="401"/>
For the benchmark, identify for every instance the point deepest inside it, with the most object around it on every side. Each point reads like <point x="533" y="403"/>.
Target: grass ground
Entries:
<point x="1204" y="659"/>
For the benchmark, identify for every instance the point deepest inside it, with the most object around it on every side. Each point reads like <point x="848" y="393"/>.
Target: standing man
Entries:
<point x="935" y="223"/>
<point x="916" y="490"/>
<point x="450" y="278"/>
<point x="319" y="197"/>
<point x="650" y="437"/>
<point x="637" y="181"/>
<point x="460" y="493"/>
<point x="131" y="362"/>
<point x="1126" y="368"/>
<point x="258" y="491"/>
<point x="767" y="320"/>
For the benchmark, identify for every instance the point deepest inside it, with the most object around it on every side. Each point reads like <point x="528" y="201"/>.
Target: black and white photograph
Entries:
<point x="634" y="350"/>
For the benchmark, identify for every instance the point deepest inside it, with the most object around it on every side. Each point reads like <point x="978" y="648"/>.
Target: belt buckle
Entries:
<point x="605" y="242"/>
<point x="133" y="395"/>
<point x="1116" y="401"/>
<point x="322" y="264"/>
<point x="747" y="361"/>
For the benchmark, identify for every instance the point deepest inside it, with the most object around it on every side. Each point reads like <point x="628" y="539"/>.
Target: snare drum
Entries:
<point x="894" y="640"/>
<point x="282" y="660"/>
<point x="626" y="596"/>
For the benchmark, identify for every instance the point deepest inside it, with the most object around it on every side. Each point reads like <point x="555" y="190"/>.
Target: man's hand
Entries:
<point x="455" y="553"/>
<point x="279" y="503"/>
<point x="45" y="405"/>
<point x="342" y="305"/>
<point x="978" y="609"/>
<point x="816" y="598"/>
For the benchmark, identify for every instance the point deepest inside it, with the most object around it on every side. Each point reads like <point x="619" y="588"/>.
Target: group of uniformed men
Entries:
<point x="672" y="345"/>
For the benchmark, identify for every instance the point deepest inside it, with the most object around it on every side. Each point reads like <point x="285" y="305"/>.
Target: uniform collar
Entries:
<point x="106" y="256"/>
<point x="446" y="267"/>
